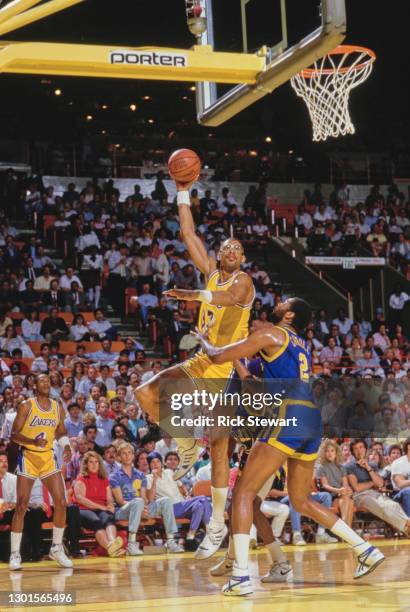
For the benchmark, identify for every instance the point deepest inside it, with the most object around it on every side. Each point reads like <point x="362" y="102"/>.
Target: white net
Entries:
<point x="326" y="88"/>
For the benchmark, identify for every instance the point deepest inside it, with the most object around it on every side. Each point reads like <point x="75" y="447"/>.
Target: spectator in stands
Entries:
<point x="43" y="282"/>
<point x="68" y="278"/>
<point x="198" y="509"/>
<point x="31" y="327"/>
<point x="94" y="497"/>
<point x="105" y="356"/>
<point x="146" y="301"/>
<point x="8" y="490"/>
<point x="397" y="302"/>
<point x="332" y="476"/>
<point x="79" y="331"/>
<point x="331" y="353"/>
<point x="75" y="299"/>
<point x="129" y="487"/>
<point x="72" y="469"/>
<point x="110" y="459"/>
<point x="366" y="484"/>
<point x="12" y="341"/>
<point x="400" y="477"/>
<point x="101" y="328"/>
<point x="54" y="327"/>
<point x="90" y="433"/>
<point x="73" y="423"/>
<point x="40" y="363"/>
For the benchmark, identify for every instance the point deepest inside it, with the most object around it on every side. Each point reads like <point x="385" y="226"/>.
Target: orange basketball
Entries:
<point x="184" y="166"/>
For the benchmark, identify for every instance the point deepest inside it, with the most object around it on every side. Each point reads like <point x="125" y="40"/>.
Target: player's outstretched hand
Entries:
<point x="185" y="186"/>
<point x="181" y="294"/>
<point x="206" y="346"/>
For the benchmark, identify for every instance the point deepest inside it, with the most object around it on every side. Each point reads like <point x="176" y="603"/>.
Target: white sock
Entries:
<point x="132" y="537"/>
<point x="275" y="552"/>
<point x="295" y="533"/>
<point x="253" y="533"/>
<point x="15" y="541"/>
<point x="350" y="537"/>
<point x="219" y="497"/>
<point x="231" y="549"/>
<point x="320" y="530"/>
<point x="58" y="533"/>
<point x="241" y="544"/>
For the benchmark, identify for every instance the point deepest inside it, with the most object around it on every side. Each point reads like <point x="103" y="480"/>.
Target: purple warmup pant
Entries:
<point x="198" y="509"/>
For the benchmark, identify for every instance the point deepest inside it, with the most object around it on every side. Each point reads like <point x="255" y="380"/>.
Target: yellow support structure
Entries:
<point x="44" y="10"/>
<point x="15" y="8"/>
<point x="164" y="64"/>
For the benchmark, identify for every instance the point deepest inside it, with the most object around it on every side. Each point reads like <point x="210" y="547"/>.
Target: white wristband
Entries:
<point x="183" y="198"/>
<point x="205" y="296"/>
<point x="63" y="442"/>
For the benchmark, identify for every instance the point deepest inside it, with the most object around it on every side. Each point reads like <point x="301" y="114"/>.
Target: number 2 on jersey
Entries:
<point x="303" y="367"/>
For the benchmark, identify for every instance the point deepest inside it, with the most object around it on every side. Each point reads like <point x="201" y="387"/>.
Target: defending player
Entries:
<point x="225" y="310"/>
<point x="284" y="355"/>
<point x="39" y="421"/>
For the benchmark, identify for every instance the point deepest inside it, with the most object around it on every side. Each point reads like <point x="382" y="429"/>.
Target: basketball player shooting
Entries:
<point x="224" y="314"/>
<point x="38" y="422"/>
<point x="284" y="355"/>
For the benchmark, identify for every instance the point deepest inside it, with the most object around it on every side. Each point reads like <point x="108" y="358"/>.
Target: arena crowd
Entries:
<point x="66" y="308"/>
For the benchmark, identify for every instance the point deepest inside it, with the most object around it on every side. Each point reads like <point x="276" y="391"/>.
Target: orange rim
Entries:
<point x="308" y="73"/>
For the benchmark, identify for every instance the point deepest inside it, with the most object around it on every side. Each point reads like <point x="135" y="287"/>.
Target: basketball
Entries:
<point x="184" y="166"/>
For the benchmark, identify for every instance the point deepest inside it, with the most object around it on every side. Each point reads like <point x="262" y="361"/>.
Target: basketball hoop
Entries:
<point x="326" y="88"/>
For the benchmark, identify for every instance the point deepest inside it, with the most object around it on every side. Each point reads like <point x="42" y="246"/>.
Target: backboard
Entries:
<point x="289" y="34"/>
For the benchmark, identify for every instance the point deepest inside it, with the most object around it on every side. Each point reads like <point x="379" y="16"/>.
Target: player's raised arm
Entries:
<point x="196" y="249"/>
<point x="263" y="339"/>
<point x="23" y="411"/>
<point x="238" y="293"/>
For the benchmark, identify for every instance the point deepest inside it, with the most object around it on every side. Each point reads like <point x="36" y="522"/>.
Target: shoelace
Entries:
<point x="362" y="558"/>
<point x="235" y="581"/>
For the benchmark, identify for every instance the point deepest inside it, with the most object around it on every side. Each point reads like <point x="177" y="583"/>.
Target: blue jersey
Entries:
<point x="288" y="373"/>
<point x="291" y="362"/>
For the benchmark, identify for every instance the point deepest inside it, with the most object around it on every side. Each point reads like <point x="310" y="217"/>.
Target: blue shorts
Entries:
<point x="300" y="441"/>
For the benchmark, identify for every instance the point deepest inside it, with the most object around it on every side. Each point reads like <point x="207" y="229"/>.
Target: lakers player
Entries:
<point x="224" y="312"/>
<point x="39" y="421"/>
<point x="284" y="355"/>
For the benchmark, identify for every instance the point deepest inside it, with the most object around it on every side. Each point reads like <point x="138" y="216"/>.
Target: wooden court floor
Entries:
<point x="171" y="583"/>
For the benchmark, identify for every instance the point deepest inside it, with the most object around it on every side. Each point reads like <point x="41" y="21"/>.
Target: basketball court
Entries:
<point x="323" y="581"/>
<point x="229" y="77"/>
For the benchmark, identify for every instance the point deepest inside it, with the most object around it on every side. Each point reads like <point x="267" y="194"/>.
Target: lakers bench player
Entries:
<point x="224" y="314"/>
<point x="39" y="421"/>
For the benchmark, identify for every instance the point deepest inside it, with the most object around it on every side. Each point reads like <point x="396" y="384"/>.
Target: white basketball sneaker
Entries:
<point x="279" y="572"/>
<point x="368" y="561"/>
<point x="15" y="561"/>
<point x="187" y="450"/>
<point x="215" y="535"/>
<point x="237" y="586"/>
<point x="57" y="553"/>
<point x="133" y="549"/>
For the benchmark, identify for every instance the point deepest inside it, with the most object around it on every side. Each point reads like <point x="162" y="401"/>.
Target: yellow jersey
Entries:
<point x="41" y="423"/>
<point x="224" y="324"/>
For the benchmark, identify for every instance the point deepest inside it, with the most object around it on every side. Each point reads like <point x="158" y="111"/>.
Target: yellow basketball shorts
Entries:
<point x="201" y="370"/>
<point x="36" y="464"/>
